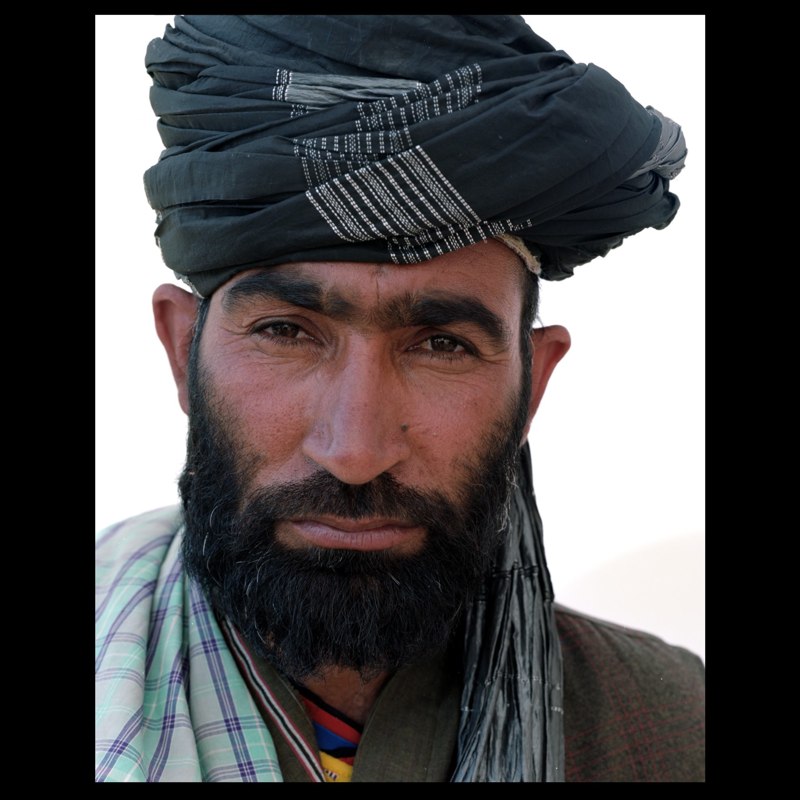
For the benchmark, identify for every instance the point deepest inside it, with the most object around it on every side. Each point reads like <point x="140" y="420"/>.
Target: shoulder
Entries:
<point x="634" y="705"/>
<point x="583" y="633"/>
<point x="139" y="543"/>
<point x="133" y="533"/>
<point x="137" y="570"/>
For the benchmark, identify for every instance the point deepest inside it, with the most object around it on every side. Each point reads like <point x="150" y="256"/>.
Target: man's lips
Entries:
<point x="351" y="534"/>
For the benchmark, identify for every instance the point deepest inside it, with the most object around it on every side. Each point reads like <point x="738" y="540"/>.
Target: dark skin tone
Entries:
<point x="361" y="369"/>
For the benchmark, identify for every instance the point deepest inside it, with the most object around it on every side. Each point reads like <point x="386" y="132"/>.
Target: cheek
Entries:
<point x="450" y="414"/>
<point x="267" y="418"/>
<point x="452" y="425"/>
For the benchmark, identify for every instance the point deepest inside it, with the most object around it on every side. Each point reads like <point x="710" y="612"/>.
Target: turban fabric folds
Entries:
<point x="393" y="139"/>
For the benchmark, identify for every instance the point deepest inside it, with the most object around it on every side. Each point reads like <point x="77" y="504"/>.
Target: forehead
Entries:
<point x="488" y="272"/>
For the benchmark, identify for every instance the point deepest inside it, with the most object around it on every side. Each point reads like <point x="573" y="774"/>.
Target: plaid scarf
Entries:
<point x="157" y="638"/>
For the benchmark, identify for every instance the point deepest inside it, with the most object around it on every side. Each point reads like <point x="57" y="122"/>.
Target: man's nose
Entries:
<point x="358" y="430"/>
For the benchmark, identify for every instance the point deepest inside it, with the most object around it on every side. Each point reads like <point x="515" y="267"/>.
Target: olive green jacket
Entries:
<point x="634" y="710"/>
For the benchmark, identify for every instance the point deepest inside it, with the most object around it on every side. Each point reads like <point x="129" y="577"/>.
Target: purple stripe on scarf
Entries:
<point x="144" y="592"/>
<point x="120" y="746"/>
<point x="178" y="679"/>
<point x="132" y="561"/>
<point x="161" y="609"/>
<point x="202" y="615"/>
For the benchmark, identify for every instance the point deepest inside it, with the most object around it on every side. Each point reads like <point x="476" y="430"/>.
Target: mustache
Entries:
<point x="324" y="494"/>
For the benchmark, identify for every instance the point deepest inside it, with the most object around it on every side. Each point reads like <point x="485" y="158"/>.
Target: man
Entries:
<point x="354" y="587"/>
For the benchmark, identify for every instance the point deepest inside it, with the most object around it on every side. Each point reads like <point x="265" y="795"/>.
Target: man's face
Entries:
<point x="354" y="431"/>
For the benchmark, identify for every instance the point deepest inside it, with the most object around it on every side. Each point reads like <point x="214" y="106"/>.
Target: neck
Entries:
<point x="347" y="691"/>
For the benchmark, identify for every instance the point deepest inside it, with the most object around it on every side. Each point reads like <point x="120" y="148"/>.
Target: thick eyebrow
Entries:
<point x="290" y="289"/>
<point x="441" y="308"/>
<point x="434" y="309"/>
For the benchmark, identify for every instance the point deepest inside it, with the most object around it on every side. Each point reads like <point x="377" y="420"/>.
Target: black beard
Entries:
<point x="306" y="609"/>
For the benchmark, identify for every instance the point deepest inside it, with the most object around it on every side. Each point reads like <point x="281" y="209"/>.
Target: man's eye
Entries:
<point x="443" y="344"/>
<point x="283" y="330"/>
<point x="440" y="346"/>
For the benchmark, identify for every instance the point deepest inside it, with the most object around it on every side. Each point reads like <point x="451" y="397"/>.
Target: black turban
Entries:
<point x="393" y="138"/>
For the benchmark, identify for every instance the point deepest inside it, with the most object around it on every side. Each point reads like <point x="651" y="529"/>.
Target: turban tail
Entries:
<point x="393" y="139"/>
<point x="512" y="709"/>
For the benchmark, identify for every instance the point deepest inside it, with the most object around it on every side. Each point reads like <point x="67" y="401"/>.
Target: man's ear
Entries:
<point x="175" y="310"/>
<point x="548" y="346"/>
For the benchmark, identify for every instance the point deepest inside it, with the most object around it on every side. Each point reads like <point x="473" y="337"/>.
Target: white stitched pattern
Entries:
<point x="372" y="183"/>
<point x="403" y="194"/>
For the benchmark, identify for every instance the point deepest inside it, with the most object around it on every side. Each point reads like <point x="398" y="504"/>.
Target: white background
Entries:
<point x="619" y="441"/>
